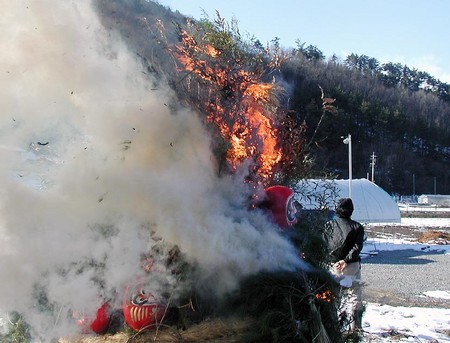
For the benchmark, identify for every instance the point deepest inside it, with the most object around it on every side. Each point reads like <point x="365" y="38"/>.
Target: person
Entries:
<point x="345" y="241"/>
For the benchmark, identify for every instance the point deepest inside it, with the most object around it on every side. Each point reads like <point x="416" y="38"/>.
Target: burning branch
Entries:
<point x="234" y="97"/>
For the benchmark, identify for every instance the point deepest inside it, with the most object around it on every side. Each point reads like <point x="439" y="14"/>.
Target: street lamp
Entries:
<point x="373" y="159"/>
<point x="348" y="140"/>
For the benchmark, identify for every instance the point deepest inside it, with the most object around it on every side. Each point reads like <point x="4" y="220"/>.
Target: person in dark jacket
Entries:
<point x="345" y="241"/>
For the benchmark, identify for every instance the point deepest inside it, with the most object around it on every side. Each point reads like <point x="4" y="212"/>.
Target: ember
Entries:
<point x="326" y="296"/>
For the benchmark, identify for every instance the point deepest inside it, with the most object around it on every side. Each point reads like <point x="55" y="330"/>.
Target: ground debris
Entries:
<point x="395" y="334"/>
<point x="435" y="237"/>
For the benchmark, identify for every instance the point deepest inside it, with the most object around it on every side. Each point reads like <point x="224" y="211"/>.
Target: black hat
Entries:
<point x="344" y="208"/>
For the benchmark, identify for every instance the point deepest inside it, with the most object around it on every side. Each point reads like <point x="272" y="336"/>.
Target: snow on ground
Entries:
<point x="436" y="222"/>
<point x="383" y="323"/>
<point x="391" y="243"/>
<point x="422" y="208"/>
<point x="438" y="294"/>
<point x="420" y="222"/>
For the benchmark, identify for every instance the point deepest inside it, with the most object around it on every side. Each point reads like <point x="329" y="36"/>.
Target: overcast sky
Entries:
<point x="411" y="32"/>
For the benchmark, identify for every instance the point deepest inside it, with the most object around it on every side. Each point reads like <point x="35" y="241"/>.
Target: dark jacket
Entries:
<point x="346" y="239"/>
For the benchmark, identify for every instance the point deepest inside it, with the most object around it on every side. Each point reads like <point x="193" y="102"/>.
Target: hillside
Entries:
<point x="393" y="111"/>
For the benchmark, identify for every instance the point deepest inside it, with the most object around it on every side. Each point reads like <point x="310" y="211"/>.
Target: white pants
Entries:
<point x="351" y="293"/>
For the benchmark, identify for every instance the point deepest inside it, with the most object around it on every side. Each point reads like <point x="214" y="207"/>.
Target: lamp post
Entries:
<point x="348" y="140"/>
<point x="372" y="163"/>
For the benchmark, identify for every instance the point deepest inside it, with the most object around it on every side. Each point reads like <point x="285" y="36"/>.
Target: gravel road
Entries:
<point x="400" y="277"/>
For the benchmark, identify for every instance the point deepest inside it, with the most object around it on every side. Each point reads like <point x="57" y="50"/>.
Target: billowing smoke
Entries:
<point x="96" y="169"/>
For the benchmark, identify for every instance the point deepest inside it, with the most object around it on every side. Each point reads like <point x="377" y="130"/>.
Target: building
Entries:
<point x="434" y="199"/>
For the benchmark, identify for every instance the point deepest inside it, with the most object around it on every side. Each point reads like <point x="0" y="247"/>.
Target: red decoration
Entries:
<point x="141" y="310"/>
<point x="98" y="325"/>
<point x="279" y="200"/>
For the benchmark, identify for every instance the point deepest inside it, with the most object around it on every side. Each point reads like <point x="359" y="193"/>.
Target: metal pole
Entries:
<point x="348" y="141"/>
<point x="349" y="166"/>
<point x="373" y="157"/>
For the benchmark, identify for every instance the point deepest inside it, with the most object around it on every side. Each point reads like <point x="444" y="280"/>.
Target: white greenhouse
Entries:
<point x="372" y="203"/>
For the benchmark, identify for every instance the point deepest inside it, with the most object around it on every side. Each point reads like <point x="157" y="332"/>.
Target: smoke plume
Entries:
<point x="95" y="169"/>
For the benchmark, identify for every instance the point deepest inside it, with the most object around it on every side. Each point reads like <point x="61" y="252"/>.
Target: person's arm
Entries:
<point x="355" y="250"/>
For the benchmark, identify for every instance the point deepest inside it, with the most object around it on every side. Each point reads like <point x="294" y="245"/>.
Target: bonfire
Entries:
<point x="235" y="90"/>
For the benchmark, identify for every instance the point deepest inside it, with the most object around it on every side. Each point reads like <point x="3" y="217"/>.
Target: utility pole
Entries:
<point x="372" y="163"/>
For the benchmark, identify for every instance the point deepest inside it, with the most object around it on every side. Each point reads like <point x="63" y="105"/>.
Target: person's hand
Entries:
<point x="340" y="265"/>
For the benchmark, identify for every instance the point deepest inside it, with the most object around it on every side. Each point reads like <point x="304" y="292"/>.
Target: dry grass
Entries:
<point x="435" y="237"/>
<point x="214" y="330"/>
<point x="117" y="338"/>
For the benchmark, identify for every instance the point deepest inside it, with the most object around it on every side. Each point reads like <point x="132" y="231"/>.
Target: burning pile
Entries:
<point x="142" y="169"/>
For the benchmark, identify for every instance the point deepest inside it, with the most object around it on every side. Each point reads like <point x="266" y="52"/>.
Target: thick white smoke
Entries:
<point x="91" y="161"/>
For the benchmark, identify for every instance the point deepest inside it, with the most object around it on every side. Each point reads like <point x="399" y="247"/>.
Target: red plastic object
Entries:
<point x="141" y="310"/>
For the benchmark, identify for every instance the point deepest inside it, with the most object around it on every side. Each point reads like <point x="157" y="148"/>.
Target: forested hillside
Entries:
<point x="398" y="113"/>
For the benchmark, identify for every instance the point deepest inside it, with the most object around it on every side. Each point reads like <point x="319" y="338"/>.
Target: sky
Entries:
<point x="409" y="32"/>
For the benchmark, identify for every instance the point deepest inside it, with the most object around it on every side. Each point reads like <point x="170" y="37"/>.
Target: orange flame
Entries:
<point x="242" y="106"/>
<point x="326" y="296"/>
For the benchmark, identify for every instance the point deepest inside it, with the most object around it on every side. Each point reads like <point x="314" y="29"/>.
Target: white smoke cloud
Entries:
<point x="91" y="161"/>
